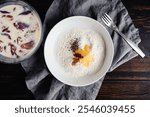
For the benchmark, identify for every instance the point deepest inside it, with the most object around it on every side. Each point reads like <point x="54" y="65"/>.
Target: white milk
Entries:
<point x="30" y="34"/>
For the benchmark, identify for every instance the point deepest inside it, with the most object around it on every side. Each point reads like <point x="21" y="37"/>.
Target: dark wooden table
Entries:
<point x="129" y="81"/>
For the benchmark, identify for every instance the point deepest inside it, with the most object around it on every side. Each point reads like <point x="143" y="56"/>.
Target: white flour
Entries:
<point x="64" y="54"/>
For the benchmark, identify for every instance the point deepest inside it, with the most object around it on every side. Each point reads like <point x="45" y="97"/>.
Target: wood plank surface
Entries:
<point x="129" y="81"/>
<point x="125" y="90"/>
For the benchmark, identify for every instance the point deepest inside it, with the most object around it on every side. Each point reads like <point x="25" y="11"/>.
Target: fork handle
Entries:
<point x="131" y="44"/>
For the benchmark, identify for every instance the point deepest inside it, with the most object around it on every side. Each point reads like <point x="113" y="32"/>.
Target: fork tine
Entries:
<point x="104" y="20"/>
<point x="108" y="16"/>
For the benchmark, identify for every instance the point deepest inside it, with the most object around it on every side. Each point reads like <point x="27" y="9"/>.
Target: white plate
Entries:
<point x="62" y="28"/>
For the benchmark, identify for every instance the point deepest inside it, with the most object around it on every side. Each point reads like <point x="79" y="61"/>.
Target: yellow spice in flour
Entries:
<point x="86" y="54"/>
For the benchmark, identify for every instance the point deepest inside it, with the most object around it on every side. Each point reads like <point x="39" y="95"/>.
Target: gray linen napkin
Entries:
<point x="44" y="87"/>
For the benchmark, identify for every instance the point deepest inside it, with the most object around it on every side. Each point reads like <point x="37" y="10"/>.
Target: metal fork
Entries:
<point x="109" y="22"/>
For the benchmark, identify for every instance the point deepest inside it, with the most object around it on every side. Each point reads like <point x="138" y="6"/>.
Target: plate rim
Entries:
<point x="49" y="66"/>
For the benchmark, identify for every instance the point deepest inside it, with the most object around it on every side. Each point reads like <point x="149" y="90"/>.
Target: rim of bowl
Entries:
<point x="8" y="60"/>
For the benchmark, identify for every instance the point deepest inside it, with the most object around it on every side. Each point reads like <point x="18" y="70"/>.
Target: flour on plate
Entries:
<point x="81" y="52"/>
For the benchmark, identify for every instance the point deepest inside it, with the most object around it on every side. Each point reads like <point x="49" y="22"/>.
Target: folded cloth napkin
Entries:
<point x="43" y="84"/>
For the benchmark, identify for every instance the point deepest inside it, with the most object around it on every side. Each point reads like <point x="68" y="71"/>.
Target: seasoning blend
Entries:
<point x="84" y="56"/>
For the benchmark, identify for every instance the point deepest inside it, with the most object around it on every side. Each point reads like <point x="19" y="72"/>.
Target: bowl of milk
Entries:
<point x="20" y="31"/>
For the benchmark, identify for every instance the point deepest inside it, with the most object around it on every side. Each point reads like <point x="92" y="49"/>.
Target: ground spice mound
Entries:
<point x="84" y="56"/>
<point x="74" y="45"/>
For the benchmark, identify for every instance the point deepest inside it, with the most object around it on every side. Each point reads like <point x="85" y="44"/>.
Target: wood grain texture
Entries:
<point x="125" y="90"/>
<point x="129" y="81"/>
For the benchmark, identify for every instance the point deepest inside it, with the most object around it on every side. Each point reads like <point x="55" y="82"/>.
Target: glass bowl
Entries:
<point x="14" y="60"/>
